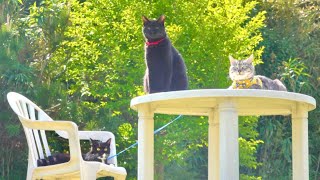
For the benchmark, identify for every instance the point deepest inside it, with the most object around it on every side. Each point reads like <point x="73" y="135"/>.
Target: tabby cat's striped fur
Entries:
<point x="242" y="73"/>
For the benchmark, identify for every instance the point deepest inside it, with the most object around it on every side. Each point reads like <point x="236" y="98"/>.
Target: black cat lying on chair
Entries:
<point x="99" y="151"/>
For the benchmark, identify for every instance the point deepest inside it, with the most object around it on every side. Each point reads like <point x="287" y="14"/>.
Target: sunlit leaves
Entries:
<point x="295" y="73"/>
<point x="126" y="131"/>
<point x="97" y="54"/>
<point x="249" y="147"/>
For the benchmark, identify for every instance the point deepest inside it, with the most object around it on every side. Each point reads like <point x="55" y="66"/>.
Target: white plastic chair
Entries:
<point x="35" y="121"/>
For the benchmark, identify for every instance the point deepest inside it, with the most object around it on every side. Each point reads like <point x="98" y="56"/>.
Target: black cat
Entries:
<point x="99" y="151"/>
<point x="166" y="70"/>
<point x="56" y="158"/>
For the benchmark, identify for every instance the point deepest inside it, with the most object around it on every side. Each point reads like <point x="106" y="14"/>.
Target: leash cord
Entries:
<point x="136" y="143"/>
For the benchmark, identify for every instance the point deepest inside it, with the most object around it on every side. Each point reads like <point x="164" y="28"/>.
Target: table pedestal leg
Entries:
<point x="213" y="146"/>
<point x="145" y="143"/>
<point x="300" y="162"/>
<point x="229" y="144"/>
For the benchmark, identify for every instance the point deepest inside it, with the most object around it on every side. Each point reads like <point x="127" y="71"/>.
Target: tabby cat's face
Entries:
<point x="154" y="29"/>
<point x="241" y="69"/>
<point x="100" y="148"/>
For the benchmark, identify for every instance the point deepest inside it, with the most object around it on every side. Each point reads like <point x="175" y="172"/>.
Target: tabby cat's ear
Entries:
<point x="250" y="59"/>
<point x="145" y="19"/>
<point x="232" y="60"/>
<point x="161" y="19"/>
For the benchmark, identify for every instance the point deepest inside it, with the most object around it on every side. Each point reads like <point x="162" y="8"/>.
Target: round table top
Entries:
<point x="202" y="101"/>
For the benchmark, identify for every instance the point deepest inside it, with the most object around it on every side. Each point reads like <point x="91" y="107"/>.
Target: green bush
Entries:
<point x="87" y="58"/>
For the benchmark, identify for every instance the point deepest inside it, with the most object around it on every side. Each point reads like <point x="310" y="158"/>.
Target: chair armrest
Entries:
<point x="86" y="135"/>
<point x="67" y="126"/>
<point x="96" y="135"/>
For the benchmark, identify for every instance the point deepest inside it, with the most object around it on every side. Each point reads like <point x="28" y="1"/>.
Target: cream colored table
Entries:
<point x="223" y="107"/>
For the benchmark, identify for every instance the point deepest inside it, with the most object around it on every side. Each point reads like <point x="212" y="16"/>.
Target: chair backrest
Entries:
<point x="27" y="110"/>
<point x="96" y="135"/>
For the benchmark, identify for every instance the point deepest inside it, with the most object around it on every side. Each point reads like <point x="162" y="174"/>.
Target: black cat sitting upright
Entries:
<point x="166" y="70"/>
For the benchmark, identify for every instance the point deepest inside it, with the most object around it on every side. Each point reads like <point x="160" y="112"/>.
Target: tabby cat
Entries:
<point x="242" y="74"/>
<point x="99" y="151"/>
<point x="165" y="68"/>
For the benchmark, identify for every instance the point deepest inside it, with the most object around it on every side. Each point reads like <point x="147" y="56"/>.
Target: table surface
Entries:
<point x="202" y="101"/>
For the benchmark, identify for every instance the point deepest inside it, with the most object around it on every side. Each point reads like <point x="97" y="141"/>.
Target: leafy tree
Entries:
<point x="87" y="59"/>
<point x="291" y="41"/>
<point x="104" y="44"/>
<point x="14" y="75"/>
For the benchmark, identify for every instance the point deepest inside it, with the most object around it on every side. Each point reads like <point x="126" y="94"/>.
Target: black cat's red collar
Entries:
<point x="154" y="43"/>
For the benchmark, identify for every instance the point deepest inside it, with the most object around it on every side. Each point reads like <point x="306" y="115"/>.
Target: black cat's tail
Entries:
<point x="146" y="83"/>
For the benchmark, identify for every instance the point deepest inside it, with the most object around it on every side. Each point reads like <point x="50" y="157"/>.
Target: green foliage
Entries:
<point x="291" y="54"/>
<point x="295" y="74"/>
<point x="85" y="61"/>
<point x="15" y="76"/>
<point x="248" y="142"/>
<point x="104" y="43"/>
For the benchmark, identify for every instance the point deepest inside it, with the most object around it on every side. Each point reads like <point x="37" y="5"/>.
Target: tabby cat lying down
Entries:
<point x="242" y="74"/>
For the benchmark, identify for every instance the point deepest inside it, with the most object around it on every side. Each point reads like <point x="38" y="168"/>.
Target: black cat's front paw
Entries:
<point x="42" y="162"/>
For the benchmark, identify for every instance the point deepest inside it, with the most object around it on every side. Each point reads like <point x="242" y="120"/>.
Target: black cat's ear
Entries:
<point x="109" y="141"/>
<point x="91" y="140"/>
<point x="161" y="19"/>
<point x="145" y="19"/>
<point x="250" y="59"/>
<point x="232" y="60"/>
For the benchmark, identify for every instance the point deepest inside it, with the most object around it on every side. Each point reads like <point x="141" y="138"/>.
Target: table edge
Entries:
<point x="203" y="93"/>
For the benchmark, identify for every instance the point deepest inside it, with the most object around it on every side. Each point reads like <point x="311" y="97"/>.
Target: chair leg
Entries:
<point x="88" y="172"/>
<point x="29" y="175"/>
<point x="30" y="170"/>
<point x="89" y="176"/>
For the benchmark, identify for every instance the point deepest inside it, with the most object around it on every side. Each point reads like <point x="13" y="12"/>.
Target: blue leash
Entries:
<point x="155" y="132"/>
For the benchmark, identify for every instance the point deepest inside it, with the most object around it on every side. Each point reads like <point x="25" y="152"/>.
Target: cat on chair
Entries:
<point x="99" y="151"/>
<point x="242" y="74"/>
